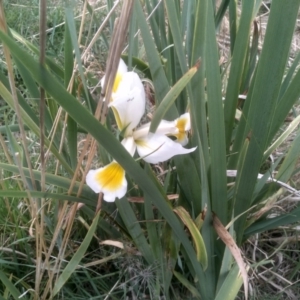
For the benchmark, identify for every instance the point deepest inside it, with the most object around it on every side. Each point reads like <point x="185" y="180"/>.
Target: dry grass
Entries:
<point x="273" y="255"/>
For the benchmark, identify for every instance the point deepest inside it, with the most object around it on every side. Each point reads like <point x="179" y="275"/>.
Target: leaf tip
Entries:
<point x="198" y="63"/>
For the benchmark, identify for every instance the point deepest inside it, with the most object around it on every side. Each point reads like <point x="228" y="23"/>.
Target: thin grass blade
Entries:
<point x="77" y="257"/>
<point x="134" y="229"/>
<point x="159" y="78"/>
<point x="10" y="286"/>
<point x="171" y="96"/>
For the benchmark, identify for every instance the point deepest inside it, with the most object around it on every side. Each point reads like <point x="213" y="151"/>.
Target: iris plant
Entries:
<point x="128" y="104"/>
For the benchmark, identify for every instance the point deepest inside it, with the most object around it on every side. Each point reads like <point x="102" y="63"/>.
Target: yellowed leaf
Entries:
<point x="113" y="243"/>
<point x="141" y="199"/>
<point x="195" y="233"/>
<point x="234" y="249"/>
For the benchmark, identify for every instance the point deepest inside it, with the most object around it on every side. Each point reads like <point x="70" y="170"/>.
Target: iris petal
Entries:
<point x="157" y="148"/>
<point x="122" y="68"/>
<point x="110" y="180"/>
<point x="129" y="145"/>
<point x="177" y="128"/>
<point x="129" y="102"/>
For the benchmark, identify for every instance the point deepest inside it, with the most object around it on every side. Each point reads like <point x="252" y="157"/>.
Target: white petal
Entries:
<point x="164" y="127"/>
<point x="129" y="102"/>
<point x="176" y="128"/>
<point x="157" y="148"/>
<point x="141" y="132"/>
<point x="167" y="127"/>
<point x="181" y="124"/>
<point x="110" y="180"/>
<point x="129" y="145"/>
<point x="122" y="68"/>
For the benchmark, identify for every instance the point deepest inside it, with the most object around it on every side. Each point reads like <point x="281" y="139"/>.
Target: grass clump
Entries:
<point x="166" y="238"/>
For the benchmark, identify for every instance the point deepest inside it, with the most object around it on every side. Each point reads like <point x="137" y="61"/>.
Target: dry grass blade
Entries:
<point x="33" y="202"/>
<point x="235" y="251"/>
<point x="113" y="243"/>
<point x="3" y="27"/>
<point x="233" y="173"/>
<point x="117" y="42"/>
<point x="97" y="34"/>
<point x="40" y="244"/>
<point x="141" y="199"/>
<point x="102" y="261"/>
<point x="114" y="54"/>
<point x="112" y="65"/>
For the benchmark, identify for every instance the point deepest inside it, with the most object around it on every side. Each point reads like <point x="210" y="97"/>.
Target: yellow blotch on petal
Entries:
<point x="117" y="82"/>
<point x="111" y="176"/>
<point x="181" y="125"/>
<point x="118" y="119"/>
<point x="118" y="79"/>
<point x="142" y="143"/>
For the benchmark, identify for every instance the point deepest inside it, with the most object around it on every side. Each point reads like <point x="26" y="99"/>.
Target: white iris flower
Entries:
<point x="128" y="99"/>
<point x="128" y="104"/>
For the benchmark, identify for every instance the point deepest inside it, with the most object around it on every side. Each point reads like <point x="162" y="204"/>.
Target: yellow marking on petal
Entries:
<point x="180" y="136"/>
<point x="117" y="82"/>
<point x="141" y="143"/>
<point x="118" y="79"/>
<point x="118" y="119"/>
<point x="181" y="124"/>
<point x="111" y="176"/>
